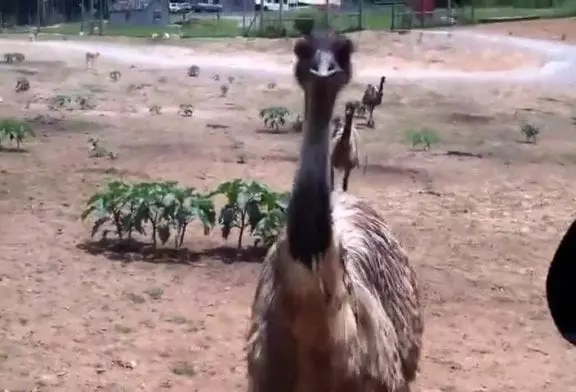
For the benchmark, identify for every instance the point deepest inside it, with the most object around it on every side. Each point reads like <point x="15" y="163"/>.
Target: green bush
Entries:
<point x="16" y="131"/>
<point x="252" y="205"/>
<point x="274" y="30"/>
<point x="164" y="207"/>
<point x="164" y="210"/>
<point x="304" y="21"/>
<point x="423" y="137"/>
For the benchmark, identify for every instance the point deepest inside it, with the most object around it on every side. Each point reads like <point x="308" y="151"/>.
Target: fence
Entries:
<point x="240" y="18"/>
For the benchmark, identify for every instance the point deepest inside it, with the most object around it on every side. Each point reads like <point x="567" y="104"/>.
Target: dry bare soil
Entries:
<point x="480" y="230"/>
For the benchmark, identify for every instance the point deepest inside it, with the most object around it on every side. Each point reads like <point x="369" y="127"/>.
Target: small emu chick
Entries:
<point x="345" y="147"/>
<point x="371" y="99"/>
<point x="194" y="71"/>
<point x="91" y="58"/>
<point x="337" y="305"/>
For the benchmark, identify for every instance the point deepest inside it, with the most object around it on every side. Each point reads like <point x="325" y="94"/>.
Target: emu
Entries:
<point x="337" y="306"/>
<point x="373" y="98"/>
<point x="345" y="150"/>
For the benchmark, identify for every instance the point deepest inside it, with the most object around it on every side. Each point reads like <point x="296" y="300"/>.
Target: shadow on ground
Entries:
<point x="132" y="250"/>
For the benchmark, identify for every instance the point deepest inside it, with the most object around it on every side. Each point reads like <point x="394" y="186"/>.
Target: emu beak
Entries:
<point x="324" y="64"/>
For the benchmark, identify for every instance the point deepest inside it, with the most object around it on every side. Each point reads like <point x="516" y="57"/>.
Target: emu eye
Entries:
<point x="343" y="50"/>
<point x="303" y="49"/>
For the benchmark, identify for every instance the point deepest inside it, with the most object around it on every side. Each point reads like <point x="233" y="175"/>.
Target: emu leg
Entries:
<point x="345" y="180"/>
<point x="370" y="122"/>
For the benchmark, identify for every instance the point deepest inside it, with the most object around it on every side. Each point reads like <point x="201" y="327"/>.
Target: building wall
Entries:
<point x="142" y="17"/>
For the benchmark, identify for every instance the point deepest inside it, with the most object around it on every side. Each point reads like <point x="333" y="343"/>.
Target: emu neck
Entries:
<point x="309" y="213"/>
<point x="347" y="129"/>
<point x="381" y="85"/>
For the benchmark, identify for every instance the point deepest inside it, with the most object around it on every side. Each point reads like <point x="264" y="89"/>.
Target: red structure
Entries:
<point x="422" y="8"/>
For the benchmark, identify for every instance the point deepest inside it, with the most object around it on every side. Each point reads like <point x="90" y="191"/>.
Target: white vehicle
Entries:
<point x="174" y="7"/>
<point x="274" y="5"/>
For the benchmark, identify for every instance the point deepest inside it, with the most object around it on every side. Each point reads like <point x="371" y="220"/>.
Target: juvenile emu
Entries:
<point x="336" y="307"/>
<point x="345" y="148"/>
<point x="373" y="98"/>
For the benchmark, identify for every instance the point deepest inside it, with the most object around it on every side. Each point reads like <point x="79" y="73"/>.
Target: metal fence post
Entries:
<point x="360" y="14"/>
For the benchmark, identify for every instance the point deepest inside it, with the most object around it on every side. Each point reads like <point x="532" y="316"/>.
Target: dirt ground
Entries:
<point x="556" y="30"/>
<point x="479" y="230"/>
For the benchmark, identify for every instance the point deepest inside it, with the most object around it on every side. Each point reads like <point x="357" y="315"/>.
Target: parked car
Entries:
<point x="179" y="8"/>
<point x="207" y="7"/>
<point x="174" y="7"/>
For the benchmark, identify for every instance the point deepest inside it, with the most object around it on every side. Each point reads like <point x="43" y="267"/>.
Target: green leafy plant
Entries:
<point x="274" y="116"/>
<point x="186" y="110"/>
<point x="98" y="150"/>
<point x="530" y="132"/>
<point x="164" y="207"/>
<point x="114" y="206"/>
<point x="304" y="22"/>
<point x="424" y="137"/>
<point x="85" y="103"/>
<point x="59" y="102"/>
<point x="16" y="131"/>
<point x="184" y="205"/>
<point x="224" y="90"/>
<point x="273" y="221"/>
<point x="251" y="206"/>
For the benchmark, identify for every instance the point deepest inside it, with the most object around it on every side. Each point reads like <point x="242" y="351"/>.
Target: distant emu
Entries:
<point x="345" y="147"/>
<point x="194" y="71"/>
<point x="373" y="98"/>
<point x="336" y="307"/>
<point x="91" y="58"/>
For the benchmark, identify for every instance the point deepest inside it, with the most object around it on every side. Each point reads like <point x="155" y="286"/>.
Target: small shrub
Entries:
<point x="186" y="110"/>
<point x="530" y="132"/>
<point x="275" y="30"/>
<point x="22" y="84"/>
<point x="97" y="150"/>
<point x="251" y="206"/>
<point x="274" y="116"/>
<point x="304" y="22"/>
<point x="85" y="103"/>
<point x="424" y="137"/>
<point x="59" y="102"/>
<point x="164" y="207"/>
<point x="16" y="131"/>
<point x="155" y="109"/>
<point x="115" y="76"/>
<point x="224" y="90"/>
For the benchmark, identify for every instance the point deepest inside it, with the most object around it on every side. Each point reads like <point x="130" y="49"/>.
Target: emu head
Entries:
<point x="349" y="109"/>
<point x="382" y="81"/>
<point x="323" y="63"/>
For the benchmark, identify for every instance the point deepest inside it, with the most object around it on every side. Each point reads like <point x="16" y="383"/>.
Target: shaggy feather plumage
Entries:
<point x="356" y="320"/>
<point x="336" y="307"/>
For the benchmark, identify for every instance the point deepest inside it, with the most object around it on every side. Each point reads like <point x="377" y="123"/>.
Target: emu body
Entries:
<point x="336" y="307"/>
<point x="344" y="156"/>
<point x="373" y="97"/>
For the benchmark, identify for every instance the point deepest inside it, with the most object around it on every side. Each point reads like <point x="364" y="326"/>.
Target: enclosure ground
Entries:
<point x="554" y="29"/>
<point x="480" y="230"/>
